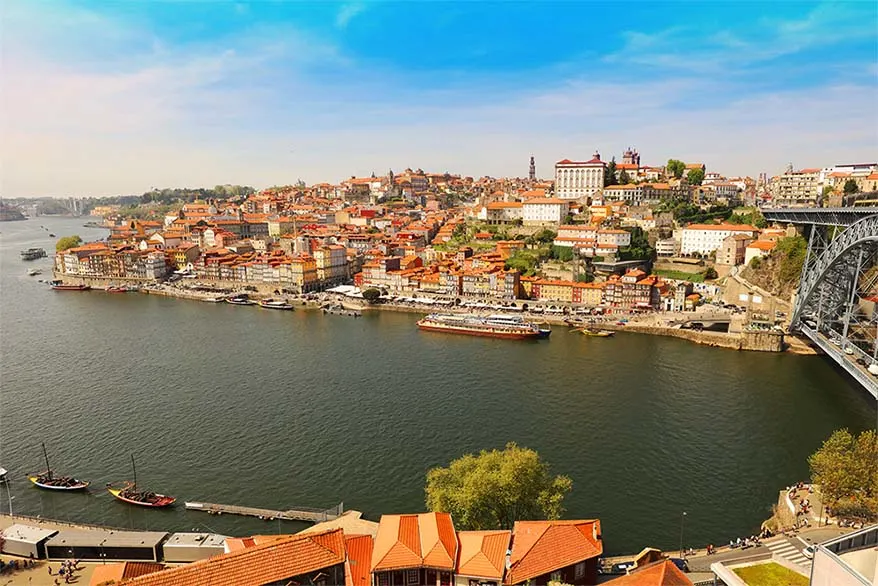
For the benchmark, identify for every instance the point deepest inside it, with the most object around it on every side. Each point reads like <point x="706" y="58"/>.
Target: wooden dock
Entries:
<point x="297" y="514"/>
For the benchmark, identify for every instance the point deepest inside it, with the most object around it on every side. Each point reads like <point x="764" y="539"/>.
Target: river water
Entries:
<point x="241" y="405"/>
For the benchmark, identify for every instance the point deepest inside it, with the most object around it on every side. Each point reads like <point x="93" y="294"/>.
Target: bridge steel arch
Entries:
<point x="837" y="275"/>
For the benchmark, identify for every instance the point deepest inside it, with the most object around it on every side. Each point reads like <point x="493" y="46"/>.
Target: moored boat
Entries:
<point x="275" y="304"/>
<point x="52" y="481"/>
<point x="127" y="492"/>
<point x="121" y="289"/>
<point x="494" y="326"/>
<point x="239" y="300"/>
<point x="60" y="286"/>
<point x="596" y="333"/>
<point x="32" y="253"/>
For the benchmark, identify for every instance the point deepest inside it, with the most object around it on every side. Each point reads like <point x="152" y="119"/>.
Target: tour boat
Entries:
<point x="128" y="492"/>
<point x="49" y="480"/>
<point x="60" y="286"/>
<point x="239" y="300"/>
<point x="275" y="304"/>
<point x="32" y="253"/>
<point x="511" y="327"/>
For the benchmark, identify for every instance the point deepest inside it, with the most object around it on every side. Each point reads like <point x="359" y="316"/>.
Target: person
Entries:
<point x="50" y="570"/>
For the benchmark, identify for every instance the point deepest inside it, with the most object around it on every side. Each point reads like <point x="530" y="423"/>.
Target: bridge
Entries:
<point x="819" y="216"/>
<point x="836" y="306"/>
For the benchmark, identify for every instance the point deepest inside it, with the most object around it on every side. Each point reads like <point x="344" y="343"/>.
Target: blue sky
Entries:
<point x="117" y="97"/>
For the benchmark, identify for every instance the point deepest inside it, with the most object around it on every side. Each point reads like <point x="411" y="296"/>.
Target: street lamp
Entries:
<point x="682" y="519"/>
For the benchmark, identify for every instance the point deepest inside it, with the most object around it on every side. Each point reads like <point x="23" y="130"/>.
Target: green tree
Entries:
<point x="562" y="253"/>
<point x="67" y="242"/>
<point x="846" y="468"/>
<point x="695" y="176"/>
<point x="710" y="273"/>
<point x="610" y="174"/>
<point x="371" y="294"/>
<point x="624" y="179"/>
<point x="675" y="168"/>
<point x="545" y="236"/>
<point x="850" y="186"/>
<point x="494" y="489"/>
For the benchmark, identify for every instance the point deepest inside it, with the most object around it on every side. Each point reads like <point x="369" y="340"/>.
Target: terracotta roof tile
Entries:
<point x="541" y="547"/>
<point x="662" y="573"/>
<point x="482" y="553"/>
<point x="357" y="568"/>
<point x="261" y="564"/>
<point x="414" y="541"/>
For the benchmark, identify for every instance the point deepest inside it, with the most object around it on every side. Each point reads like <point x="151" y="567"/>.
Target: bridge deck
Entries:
<point x="301" y="514"/>
<point x="860" y="374"/>
<point x="819" y="216"/>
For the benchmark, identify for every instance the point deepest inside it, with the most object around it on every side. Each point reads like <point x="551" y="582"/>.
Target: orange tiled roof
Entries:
<point x="662" y="573"/>
<point x="357" y="568"/>
<point x="113" y="573"/>
<point x="415" y="541"/>
<point x="541" y="547"/>
<point x="270" y="562"/>
<point x="482" y="553"/>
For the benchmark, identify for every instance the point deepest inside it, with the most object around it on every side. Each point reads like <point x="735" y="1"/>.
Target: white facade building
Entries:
<point x="666" y="247"/>
<point x="577" y="179"/>
<point x="543" y="210"/>
<point x="706" y="238"/>
<point x="618" y="238"/>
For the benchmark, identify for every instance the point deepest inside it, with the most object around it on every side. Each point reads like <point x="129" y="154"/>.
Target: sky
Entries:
<point x="119" y="97"/>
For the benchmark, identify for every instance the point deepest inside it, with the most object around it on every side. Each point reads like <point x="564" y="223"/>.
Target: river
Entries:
<point x="241" y="405"/>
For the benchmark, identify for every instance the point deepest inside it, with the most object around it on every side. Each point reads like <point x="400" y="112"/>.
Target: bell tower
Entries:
<point x="532" y="172"/>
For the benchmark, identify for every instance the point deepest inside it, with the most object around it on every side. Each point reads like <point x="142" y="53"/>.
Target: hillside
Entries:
<point x="779" y="272"/>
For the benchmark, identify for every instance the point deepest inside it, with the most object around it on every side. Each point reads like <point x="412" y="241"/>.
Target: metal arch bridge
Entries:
<point x="837" y="301"/>
<point x="819" y="216"/>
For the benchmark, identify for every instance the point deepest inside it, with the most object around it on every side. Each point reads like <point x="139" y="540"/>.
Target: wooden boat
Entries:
<point x="128" y="493"/>
<point x="275" y="304"/>
<point x="51" y="481"/>
<point x="596" y="333"/>
<point x="240" y="300"/>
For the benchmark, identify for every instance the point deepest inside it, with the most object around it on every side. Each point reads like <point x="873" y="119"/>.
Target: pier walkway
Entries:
<point x="307" y="514"/>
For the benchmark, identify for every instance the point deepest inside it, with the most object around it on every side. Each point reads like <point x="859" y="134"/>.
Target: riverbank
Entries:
<point x="650" y="324"/>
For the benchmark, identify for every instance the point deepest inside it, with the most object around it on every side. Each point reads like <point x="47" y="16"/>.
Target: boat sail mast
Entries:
<point x="135" y="473"/>
<point x="46" y="456"/>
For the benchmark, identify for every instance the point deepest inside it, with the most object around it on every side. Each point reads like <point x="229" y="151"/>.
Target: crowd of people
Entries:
<point x="66" y="572"/>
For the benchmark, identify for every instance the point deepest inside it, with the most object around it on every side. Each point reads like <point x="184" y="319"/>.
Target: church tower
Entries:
<point x="532" y="173"/>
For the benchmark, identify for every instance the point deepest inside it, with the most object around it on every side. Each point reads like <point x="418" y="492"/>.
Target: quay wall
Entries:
<point x="762" y="341"/>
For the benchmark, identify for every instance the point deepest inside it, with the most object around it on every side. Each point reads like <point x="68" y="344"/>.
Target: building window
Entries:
<point x="411" y="577"/>
<point x="383" y="579"/>
<point x="579" y="571"/>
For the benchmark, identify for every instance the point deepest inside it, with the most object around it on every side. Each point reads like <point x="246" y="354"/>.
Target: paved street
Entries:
<point x="787" y="546"/>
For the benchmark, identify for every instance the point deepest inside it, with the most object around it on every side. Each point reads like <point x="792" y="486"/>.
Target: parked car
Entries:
<point x="622" y="567"/>
<point x="681" y="563"/>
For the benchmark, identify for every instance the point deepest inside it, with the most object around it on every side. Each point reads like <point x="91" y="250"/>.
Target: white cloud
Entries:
<point x="233" y="110"/>
<point x="347" y="13"/>
<point x="691" y="48"/>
